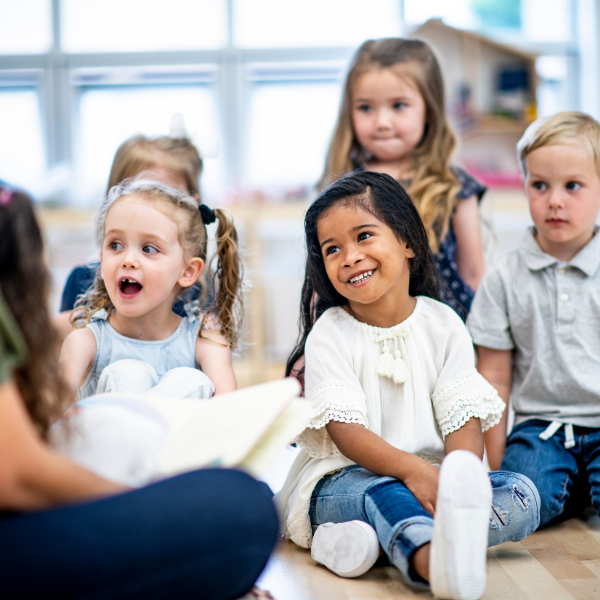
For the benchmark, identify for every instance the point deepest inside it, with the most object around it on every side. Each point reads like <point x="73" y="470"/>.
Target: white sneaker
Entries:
<point x="460" y="531"/>
<point x="348" y="549"/>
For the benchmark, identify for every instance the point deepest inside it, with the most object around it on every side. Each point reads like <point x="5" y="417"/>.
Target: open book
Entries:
<point x="244" y="429"/>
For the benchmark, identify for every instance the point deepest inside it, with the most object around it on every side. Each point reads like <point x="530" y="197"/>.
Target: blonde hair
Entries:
<point x="227" y="275"/>
<point x="561" y="128"/>
<point x="140" y="153"/>
<point x="433" y="187"/>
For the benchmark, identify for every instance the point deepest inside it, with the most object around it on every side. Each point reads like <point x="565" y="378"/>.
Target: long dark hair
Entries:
<point x="383" y="197"/>
<point x="25" y="286"/>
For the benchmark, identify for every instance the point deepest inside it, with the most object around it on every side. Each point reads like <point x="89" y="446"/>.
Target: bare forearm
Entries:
<point x="496" y="367"/>
<point x="495" y="443"/>
<point x="468" y="437"/>
<point x="56" y="481"/>
<point x="59" y="481"/>
<point x="372" y="452"/>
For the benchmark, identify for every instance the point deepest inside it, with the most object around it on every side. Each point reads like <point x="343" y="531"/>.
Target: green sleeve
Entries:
<point x="13" y="351"/>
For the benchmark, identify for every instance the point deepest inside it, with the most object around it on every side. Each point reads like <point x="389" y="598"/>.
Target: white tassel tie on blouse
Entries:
<point x="388" y="364"/>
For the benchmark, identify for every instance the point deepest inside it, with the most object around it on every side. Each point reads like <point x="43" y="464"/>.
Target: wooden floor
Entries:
<point x="557" y="563"/>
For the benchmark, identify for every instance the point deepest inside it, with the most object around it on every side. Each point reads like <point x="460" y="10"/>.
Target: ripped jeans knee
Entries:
<point x="515" y="511"/>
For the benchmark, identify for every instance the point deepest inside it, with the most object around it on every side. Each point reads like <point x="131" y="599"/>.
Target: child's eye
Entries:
<point x="115" y="246"/>
<point x="331" y="250"/>
<point x="364" y="107"/>
<point x="149" y="249"/>
<point x="538" y="185"/>
<point x="364" y="235"/>
<point x="399" y="105"/>
<point x="573" y="185"/>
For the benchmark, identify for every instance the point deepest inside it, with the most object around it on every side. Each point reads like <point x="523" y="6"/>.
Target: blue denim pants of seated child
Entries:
<point x="402" y="524"/>
<point x="131" y="376"/>
<point x="568" y="479"/>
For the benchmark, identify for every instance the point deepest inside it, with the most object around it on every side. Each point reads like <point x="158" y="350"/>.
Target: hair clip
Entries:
<point x="5" y="196"/>
<point x="208" y="214"/>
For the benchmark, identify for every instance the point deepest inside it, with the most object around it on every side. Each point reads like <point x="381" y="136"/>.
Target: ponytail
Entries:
<point x="95" y="298"/>
<point x="227" y="280"/>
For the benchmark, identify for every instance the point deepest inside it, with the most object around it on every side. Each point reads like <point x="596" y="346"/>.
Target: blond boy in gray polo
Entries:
<point x="535" y="321"/>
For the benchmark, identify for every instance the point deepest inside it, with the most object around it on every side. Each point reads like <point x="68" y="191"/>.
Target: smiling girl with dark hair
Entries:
<point x="392" y="385"/>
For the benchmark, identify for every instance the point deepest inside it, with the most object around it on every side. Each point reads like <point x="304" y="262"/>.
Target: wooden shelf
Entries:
<point x="491" y="124"/>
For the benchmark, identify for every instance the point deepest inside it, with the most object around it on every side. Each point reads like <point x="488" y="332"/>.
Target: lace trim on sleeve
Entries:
<point x="331" y="401"/>
<point x="468" y="395"/>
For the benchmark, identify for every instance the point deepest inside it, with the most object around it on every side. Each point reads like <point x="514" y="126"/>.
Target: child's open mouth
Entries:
<point x="129" y="287"/>
<point x="361" y="277"/>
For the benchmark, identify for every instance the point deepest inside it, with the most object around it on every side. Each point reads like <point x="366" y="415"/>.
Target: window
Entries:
<point x="109" y="115"/>
<point x="277" y="23"/>
<point x="22" y="159"/>
<point x="26" y="26"/>
<point x="290" y="124"/>
<point x="142" y="25"/>
<point x="527" y="20"/>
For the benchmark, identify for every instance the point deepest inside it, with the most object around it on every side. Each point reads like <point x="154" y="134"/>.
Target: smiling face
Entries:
<point x="388" y="113"/>
<point x="366" y="263"/>
<point x="143" y="263"/>
<point x="563" y="190"/>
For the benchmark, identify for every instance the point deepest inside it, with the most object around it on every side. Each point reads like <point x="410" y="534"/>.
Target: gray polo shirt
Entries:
<point x="548" y="313"/>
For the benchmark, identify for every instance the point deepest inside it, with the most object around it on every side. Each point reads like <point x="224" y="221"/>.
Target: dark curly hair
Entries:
<point x="25" y="286"/>
<point x="383" y="197"/>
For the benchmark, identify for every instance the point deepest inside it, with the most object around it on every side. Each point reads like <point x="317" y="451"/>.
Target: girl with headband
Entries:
<point x="153" y="247"/>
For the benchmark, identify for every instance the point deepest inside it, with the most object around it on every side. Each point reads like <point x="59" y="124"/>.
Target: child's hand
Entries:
<point x="423" y="483"/>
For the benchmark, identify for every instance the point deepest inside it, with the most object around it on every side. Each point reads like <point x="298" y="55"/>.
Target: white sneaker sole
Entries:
<point x="461" y="527"/>
<point x="348" y="549"/>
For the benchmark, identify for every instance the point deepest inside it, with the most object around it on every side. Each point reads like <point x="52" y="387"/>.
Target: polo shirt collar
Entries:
<point x="586" y="260"/>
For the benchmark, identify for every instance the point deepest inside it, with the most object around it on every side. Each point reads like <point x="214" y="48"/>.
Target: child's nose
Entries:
<point x="352" y="257"/>
<point x="556" y="198"/>
<point x="383" y="117"/>
<point x="129" y="259"/>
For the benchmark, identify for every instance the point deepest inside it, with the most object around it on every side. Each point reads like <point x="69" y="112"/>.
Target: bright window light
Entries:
<point x="532" y="20"/>
<point x="555" y="26"/>
<point x="289" y="130"/>
<point x="273" y="23"/>
<point x="143" y="25"/>
<point x="111" y="115"/>
<point x="456" y="14"/>
<point x="26" y="26"/>
<point x="22" y="157"/>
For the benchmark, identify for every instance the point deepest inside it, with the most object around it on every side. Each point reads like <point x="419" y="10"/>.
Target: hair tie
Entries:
<point x="208" y="214"/>
<point x="5" y="196"/>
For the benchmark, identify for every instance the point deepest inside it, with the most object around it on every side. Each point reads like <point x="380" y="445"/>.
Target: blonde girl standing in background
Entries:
<point x="392" y="120"/>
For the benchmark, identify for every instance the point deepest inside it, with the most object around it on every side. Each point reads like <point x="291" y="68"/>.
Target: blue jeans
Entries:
<point x="402" y="524"/>
<point x="206" y="534"/>
<point x="565" y="478"/>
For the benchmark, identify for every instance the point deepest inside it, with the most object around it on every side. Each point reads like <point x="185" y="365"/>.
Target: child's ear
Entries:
<point x="409" y="252"/>
<point x="191" y="272"/>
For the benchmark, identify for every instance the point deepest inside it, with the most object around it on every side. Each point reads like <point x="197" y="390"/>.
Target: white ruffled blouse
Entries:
<point x="411" y="384"/>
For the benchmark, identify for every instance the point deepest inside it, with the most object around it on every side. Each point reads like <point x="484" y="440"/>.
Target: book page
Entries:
<point x="223" y="430"/>
<point x="289" y="424"/>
